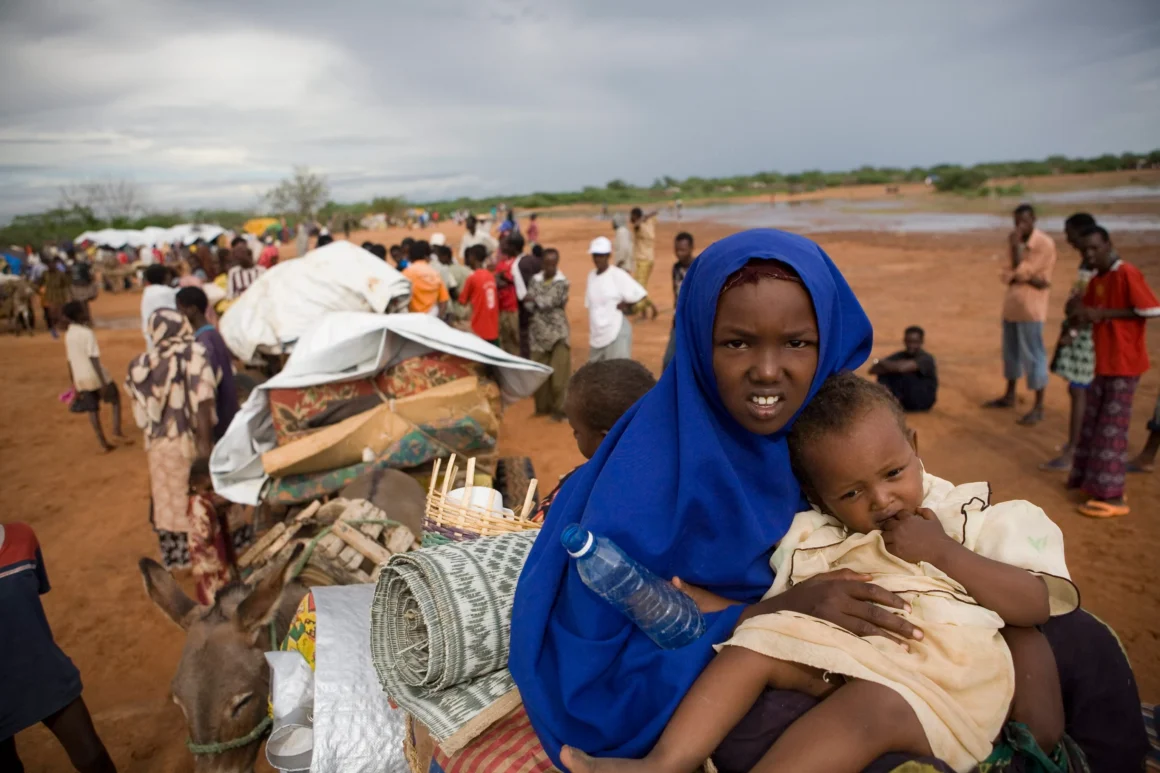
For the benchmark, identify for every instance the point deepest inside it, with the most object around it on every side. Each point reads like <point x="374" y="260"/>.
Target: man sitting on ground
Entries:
<point x="911" y="374"/>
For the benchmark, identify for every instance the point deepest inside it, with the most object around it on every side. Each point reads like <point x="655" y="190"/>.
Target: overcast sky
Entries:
<point x="210" y="102"/>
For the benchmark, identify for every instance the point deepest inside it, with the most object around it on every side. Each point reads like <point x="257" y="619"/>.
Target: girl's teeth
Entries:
<point x="759" y="400"/>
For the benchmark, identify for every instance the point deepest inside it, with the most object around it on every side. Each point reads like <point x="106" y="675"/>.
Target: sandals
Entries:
<point x="1138" y="468"/>
<point x="1095" y="508"/>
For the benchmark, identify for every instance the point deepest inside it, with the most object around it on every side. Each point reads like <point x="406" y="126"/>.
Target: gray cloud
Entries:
<point x="209" y="103"/>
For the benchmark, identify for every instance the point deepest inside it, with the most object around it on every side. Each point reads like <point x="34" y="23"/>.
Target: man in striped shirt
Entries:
<point x="244" y="273"/>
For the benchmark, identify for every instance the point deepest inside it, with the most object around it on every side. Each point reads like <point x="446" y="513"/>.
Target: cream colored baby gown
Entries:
<point x="959" y="679"/>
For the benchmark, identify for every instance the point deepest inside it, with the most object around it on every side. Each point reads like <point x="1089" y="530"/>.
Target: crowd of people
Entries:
<point x="795" y="449"/>
<point x="508" y="289"/>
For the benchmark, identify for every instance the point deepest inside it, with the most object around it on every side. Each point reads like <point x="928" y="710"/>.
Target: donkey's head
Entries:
<point x="222" y="681"/>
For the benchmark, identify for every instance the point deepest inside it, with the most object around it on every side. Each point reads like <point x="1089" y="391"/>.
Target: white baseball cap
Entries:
<point x="600" y="246"/>
<point x="438" y="240"/>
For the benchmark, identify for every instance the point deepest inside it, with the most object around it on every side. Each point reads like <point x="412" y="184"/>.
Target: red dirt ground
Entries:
<point x="90" y="511"/>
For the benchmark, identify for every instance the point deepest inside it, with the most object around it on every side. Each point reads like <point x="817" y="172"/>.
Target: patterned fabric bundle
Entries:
<point x="464" y="436"/>
<point x="440" y="624"/>
<point x="292" y="409"/>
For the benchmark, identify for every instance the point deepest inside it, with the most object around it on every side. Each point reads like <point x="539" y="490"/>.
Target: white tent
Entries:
<point x="292" y="297"/>
<point x="151" y="236"/>
<point x="342" y="346"/>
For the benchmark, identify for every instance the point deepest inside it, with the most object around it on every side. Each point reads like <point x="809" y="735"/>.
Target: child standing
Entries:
<point x="479" y="292"/>
<point x="977" y="577"/>
<point x="1116" y="304"/>
<point x="549" y="336"/>
<point x="509" y="308"/>
<point x="1075" y="357"/>
<point x="90" y="379"/>
<point x="211" y="549"/>
<point x="683" y="250"/>
<point x="599" y="393"/>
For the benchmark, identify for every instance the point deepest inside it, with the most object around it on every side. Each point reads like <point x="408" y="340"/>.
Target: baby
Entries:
<point x="977" y="578"/>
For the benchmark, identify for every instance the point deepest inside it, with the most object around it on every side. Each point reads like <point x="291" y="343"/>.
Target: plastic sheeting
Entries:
<point x="294" y="295"/>
<point x="355" y="730"/>
<point x="343" y="346"/>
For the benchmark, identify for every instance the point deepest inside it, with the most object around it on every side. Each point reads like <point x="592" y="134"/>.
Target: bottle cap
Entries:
<point x="577" y="540"/>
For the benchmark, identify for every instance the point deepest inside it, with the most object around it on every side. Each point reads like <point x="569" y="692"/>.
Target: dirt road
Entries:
<point x="90" y="511"/>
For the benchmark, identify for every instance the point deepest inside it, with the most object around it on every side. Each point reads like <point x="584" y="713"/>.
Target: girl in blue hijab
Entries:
<point x="693" y="482"/>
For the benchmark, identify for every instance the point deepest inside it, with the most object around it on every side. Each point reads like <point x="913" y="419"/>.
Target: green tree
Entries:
<point x="959" y="180"/>
<point x="391" y="206"/>
<point x="301" y="194"/>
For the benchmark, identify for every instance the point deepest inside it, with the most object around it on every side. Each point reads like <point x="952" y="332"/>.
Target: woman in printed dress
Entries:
<point x="172" y="387"/>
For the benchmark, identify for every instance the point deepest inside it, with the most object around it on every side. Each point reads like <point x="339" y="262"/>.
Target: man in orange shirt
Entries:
<point x="428" y="293"/>
<point x="1025" y="310"/>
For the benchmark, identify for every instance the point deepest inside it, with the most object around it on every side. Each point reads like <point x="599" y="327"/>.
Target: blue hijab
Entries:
<point x="685" y="490"/>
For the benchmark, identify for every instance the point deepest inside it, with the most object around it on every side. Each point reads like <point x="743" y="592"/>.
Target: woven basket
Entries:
<point x="458" y="521"/>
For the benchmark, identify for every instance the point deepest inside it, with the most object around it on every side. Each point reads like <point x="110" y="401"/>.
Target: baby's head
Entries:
<point x="853" y="454"/>
<point x="200" y="481"/>
<point x="599" y="394"/>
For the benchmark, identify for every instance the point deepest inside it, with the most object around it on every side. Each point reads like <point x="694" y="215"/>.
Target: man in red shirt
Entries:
<point x="479" y="292"/>
<point x="1117" y="303"/>
<point x="509" y="305"/>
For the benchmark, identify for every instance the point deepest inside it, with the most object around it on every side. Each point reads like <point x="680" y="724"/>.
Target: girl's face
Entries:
<point x="765" y="352"/>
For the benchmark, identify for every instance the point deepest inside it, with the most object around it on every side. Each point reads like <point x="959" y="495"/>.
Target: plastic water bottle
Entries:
<point x="668" y="616"/>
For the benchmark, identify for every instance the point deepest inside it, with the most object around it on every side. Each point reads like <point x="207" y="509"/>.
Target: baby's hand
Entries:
<point x="917" y="537"/>
<point x="707" y="601"/>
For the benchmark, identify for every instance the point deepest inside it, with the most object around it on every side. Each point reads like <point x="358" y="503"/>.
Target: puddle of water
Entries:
<point x="837" y="215"/>
<point x="1123" y="193"/>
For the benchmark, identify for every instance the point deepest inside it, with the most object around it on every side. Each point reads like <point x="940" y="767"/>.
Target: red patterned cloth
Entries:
<point x="291" y="409"/>
<point x="510" y="746"/>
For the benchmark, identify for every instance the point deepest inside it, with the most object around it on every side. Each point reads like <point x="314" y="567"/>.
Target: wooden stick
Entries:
<point x="434" y="478"/>
<point x="308" y="511"/>
<point x="447" y="476"/>
<point x="469" y="483"/>
<point x="360" y="542"/>
<point x="525" y="512"/>
<point x="260" y="546"/>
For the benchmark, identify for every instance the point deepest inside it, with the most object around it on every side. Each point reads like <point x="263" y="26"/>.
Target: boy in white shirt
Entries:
<point x="611" y="292"/>
<point x="90" y="379"/>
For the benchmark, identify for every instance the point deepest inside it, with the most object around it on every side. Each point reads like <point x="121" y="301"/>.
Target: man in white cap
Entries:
<point x="611" y="292"/>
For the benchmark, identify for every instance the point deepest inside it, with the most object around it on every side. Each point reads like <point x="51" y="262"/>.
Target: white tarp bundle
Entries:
<point x="292" y="297"/>
<point x="151" y="236"/>
<point x="342" y="346"/>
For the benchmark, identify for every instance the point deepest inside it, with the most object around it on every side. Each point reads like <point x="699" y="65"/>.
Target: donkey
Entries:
<point x="222" y="681"/>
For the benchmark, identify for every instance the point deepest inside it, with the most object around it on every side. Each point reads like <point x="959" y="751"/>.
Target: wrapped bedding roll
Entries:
<point x="440" y="625"/>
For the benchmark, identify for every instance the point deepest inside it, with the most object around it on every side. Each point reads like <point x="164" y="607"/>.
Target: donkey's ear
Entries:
<point x="264" y="601"/>
<point x="165" y="593"/>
